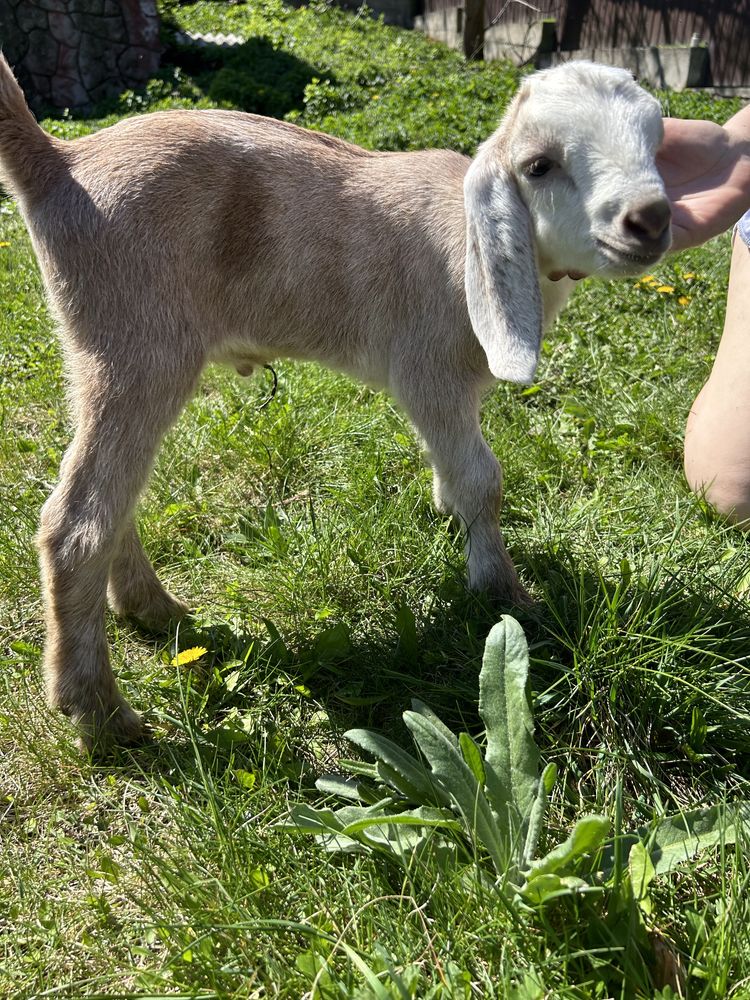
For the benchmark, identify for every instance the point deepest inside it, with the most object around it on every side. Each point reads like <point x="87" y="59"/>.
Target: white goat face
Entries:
<point x="567" y="185"/>
<point x="582" y="151"/>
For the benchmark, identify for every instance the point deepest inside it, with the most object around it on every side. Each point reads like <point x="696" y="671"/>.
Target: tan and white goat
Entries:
<point x="175" y="239"/>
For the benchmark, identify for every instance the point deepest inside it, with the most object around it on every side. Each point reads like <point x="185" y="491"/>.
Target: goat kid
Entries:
<point x="179" y="238"/>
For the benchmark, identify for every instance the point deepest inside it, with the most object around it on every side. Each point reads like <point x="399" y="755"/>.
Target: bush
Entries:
<point x="258" y="78"/>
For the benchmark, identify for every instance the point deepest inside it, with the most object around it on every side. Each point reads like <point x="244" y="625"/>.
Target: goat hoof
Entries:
<point x="509" y="592"/>
<point x="159" y="615"/>
<point x="155" y="614"/>
<point x="103" y="730"/>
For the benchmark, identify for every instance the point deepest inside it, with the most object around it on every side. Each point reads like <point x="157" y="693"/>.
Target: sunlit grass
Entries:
<point x="328" y="593"/>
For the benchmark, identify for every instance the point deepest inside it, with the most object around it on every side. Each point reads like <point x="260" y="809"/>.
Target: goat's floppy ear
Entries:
<point x="502" y="286"/>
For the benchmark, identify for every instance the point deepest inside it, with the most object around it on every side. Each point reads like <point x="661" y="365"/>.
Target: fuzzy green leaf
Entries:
<point x="673" y="840"/>
<point x="549" y="777"/>
<point x="676" y="839"/>
<point x="344" y="788"/>
<point x="512" y="757"/>
<point x="426" y="712"/>
<point x="337" y="843"/>
<point x="642" y="872"/>
<point x="398" y="768"/>
<point x="418" y="795"/>
<point x="305" y="819"/>
<point x="546" y="887"/>
<point x="405" y="842"/>
<point x="359" y="767"/>
<point x="473" y="756"/>
<point x="586" y="838"/>
<point x="538" y="813"/>
<point x="414" y="817"/>
<point x="450" y="769"/>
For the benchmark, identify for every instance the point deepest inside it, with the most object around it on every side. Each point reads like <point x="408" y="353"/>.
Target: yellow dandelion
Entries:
<point x="666" y="289"/>
<point x="189" y="656"/>
<point x="683" y="300"/>
<point x="689" y="276"/>
<point x="649" y="279"/>
<point x="4" y="243"/>
<point x="376" y="97"/>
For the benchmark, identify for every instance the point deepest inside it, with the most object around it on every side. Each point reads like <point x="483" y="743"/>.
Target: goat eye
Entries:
<point x="539" y="167"/>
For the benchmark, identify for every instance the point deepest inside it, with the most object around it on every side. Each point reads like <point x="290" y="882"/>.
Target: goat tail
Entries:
<point x="26" y="152"/>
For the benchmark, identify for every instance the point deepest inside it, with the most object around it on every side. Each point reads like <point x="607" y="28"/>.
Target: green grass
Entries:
<point x="328" y="593"/>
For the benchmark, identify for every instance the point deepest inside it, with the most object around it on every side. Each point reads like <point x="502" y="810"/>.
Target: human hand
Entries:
<point x="706" y="173"/>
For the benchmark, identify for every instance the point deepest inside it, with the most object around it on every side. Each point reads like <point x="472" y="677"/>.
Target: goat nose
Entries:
<point x="649" y="220"/>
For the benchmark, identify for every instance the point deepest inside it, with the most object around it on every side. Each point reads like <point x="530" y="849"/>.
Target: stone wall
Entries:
<point x="72" y="53"/>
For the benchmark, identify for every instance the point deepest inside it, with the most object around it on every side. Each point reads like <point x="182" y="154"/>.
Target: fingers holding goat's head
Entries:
<point x="567" y="185"/>
<point x="581" y="143"/>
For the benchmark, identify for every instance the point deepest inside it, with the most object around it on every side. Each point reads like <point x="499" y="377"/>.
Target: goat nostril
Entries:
<point x="648" y="221"/>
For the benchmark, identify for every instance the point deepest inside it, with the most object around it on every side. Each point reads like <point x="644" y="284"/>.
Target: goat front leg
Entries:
<point x="467" y="482"/>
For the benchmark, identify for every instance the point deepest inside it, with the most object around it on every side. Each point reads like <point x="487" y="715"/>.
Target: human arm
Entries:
<point x="706" y="173"/>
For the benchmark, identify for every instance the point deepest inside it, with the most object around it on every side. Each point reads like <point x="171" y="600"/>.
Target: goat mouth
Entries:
<point x="627" y="256"/>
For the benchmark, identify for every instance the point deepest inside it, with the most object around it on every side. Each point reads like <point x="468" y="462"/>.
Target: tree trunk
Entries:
<point x="474" y="29"/>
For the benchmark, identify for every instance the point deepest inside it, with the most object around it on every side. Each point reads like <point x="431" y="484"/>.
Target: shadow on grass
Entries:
<point x="654" y="671"/>
<point x="255" y="698"/>
<point x="254" y="77"/>
<point x="646" y="676"/>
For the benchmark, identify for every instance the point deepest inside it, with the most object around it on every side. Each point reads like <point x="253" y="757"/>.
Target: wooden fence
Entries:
<point x="724" y="25"/>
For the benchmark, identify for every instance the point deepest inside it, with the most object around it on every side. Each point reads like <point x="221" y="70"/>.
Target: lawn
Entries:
<point x="328" y="594"/>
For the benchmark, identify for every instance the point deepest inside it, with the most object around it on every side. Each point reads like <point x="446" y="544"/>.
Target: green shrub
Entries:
<point x="258" y="78"/>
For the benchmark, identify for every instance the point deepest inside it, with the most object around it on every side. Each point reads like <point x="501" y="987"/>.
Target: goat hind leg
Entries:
<point x="134" y="588"/>
<point x="76" y="541"/>
<point x="83" y="525"/>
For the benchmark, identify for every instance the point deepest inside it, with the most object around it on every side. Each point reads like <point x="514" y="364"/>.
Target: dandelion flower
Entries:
<point x="683" y="300"/>
<point x="189" y="656"/>
<point x="4" y="243"/>
<point x="666" y="289"/>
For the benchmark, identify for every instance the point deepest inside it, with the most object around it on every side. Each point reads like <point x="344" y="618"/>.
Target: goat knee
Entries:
<point x="474" y="492"/>
<point x="471" y="486"/>
<point x="69" y="538"/>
